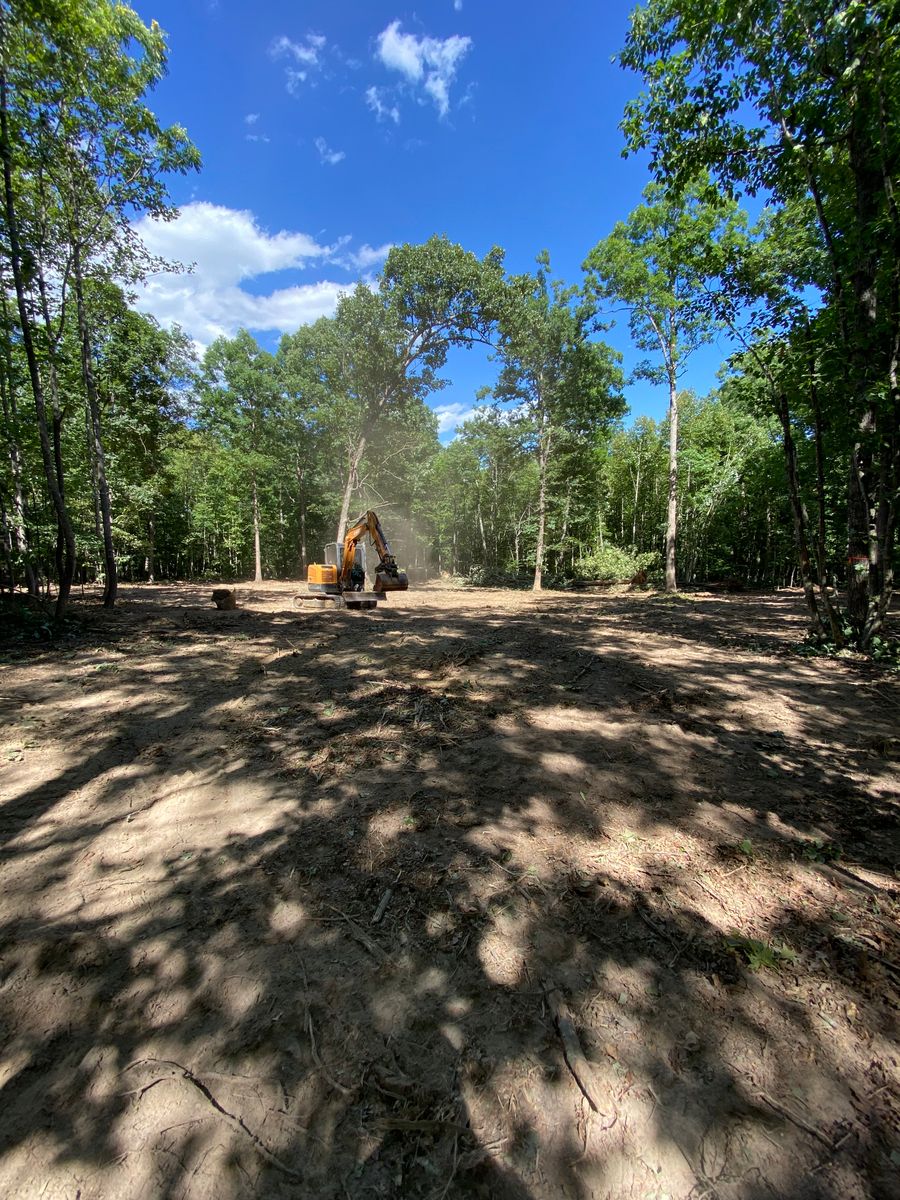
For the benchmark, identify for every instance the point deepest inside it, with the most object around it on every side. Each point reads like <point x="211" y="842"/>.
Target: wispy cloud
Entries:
<point x="457" y="4"/>
<point x="256" y="137"/>
<point x="328" y="156"/>
<point x="306" y="57"/>
<point x="251" y="118"/>
<point x="368" y="256"/>
<point x="427" y="63"/>
<point x="381" y="107"/>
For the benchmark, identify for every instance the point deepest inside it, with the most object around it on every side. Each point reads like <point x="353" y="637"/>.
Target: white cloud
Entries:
<point x="457" y="4"/>
<point x="307" y="53"/>
<point x="251" y="118"/>
<point x="380" y="108"/>
<point x="227" y="248"/>
<point x="451" y="416"/>
<point x="257" y="137"/>
<point x="304" y="52"/>
<point x="369" y="256"/>
<point x="328" y="156"/>
<point x="427" y="62"/>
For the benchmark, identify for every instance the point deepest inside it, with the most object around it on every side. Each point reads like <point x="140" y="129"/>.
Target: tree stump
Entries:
<point x="225" y="598"/>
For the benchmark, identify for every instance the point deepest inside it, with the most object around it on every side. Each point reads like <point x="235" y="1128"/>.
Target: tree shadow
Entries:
<point x="566" y="794"/>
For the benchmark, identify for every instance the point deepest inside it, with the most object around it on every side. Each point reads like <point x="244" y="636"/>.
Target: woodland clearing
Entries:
<point x="629" y="838"/>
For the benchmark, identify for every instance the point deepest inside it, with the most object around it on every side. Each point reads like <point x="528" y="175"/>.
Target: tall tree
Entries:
<point x="798" y="98"/>
<point x="391" y="343"/>
<point x="239" y="401"/>
<point x="559" y="380"/>
<point x="654" y="265"/>
<point x="82" y="153"/>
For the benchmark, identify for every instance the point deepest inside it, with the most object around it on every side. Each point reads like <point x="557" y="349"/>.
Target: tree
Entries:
<point x="239" y="401"/>
<point x="391" y="343"/>
<point x="559" y="380"/>
<point x="798" y="99"/>
<point x="81" y="154"/>
<point x="143" y="375"/>
<point x="655" y="264"/>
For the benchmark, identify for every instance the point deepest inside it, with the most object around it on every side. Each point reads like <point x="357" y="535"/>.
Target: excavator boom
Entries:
<point x="387" y="576"/>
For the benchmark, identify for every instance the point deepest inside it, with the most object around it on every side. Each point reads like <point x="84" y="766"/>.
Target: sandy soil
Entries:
<point x="583" y="820"/>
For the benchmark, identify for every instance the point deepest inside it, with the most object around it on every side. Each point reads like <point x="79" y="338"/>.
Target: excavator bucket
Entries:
<point x="388" y="582"/>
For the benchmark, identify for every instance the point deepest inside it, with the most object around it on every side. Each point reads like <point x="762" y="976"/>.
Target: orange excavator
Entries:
<point x="341" y="579"/>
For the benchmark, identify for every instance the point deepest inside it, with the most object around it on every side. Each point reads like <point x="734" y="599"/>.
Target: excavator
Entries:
<point x="341" y="579"/>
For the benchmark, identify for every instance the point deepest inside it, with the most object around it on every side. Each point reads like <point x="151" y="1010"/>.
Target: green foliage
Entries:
<point x="821" y="852"/>
<point x="758" y="954"/>
<point x="613" y="564"/>
<point x="793" y="102"/>
<point x="796" y="101"/>
<point x="23" y="622"/>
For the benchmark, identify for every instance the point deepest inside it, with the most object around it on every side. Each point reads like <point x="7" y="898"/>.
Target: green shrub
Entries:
<point x="613" y="564"/>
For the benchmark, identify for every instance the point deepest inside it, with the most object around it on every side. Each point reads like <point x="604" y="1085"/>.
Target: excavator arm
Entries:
<point x="388" y="578"/>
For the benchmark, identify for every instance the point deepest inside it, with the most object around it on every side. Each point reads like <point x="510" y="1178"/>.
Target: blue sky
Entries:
<point x="331" y="131"/>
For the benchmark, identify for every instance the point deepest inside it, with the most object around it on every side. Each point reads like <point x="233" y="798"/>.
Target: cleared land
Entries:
<point x="582" y="820"/>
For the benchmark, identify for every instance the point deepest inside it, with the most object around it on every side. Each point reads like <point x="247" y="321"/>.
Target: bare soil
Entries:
<point x="623" y="837"/>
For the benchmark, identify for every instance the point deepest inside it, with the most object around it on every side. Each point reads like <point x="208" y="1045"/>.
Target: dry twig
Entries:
<point x="235" y="1122"/>
<point x="338" y="1087"/>
<point x="362" y="937"/>
<point x="572" y="1051"/>
<point x="795" y="1120"/>
<point x="382" y="905"/>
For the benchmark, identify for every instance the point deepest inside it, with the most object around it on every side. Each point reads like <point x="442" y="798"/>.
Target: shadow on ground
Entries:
<point x="603" y="803"/>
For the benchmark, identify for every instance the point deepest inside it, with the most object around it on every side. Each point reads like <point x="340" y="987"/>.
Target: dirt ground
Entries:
<point x="335" y="904"/>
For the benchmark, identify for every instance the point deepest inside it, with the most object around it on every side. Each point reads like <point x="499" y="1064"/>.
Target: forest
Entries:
<point x="129" y="455"/>
<point x="570" y="872"/>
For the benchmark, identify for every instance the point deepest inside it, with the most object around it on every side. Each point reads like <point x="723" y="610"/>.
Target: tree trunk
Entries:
<point x="543" y="459"/>
<point x="564" y="533"/>
<point x="352" y="482"/>
<point x="798" y="509"/>
<point x="90" y="386"/>
<point x="672" y="513"/>
<point x="637" y="493"/>
<point x="66" y="535"/>
<point x="151" y="549"/>
<point x="837" y="635"/>
<point x="859" y="540"/>
<point x="484" y="545"/>
<point x="257" y="553"/>
<point x="301" y="502"/>
<point x="17" y="519"/>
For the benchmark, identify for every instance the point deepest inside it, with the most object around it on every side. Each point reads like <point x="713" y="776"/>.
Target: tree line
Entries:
<point x="771" y="220"/>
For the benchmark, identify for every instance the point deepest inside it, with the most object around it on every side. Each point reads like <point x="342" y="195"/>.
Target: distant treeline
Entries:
<point x="125" y="455"/>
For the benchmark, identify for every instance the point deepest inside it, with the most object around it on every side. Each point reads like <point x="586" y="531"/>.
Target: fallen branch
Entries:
<point x="420" y="1126"/>
<point x="236" y="1122"/>
<point x="795" y="1120"/>
<point x="382" y="905"/>
<point x="660" y="933"/>
<point x="572" y="1052"/>
<point x="699" y="881"/>
<point x="578" y="674"/>
<point x="362" y="937"/>
<point x="832" y="869"/>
